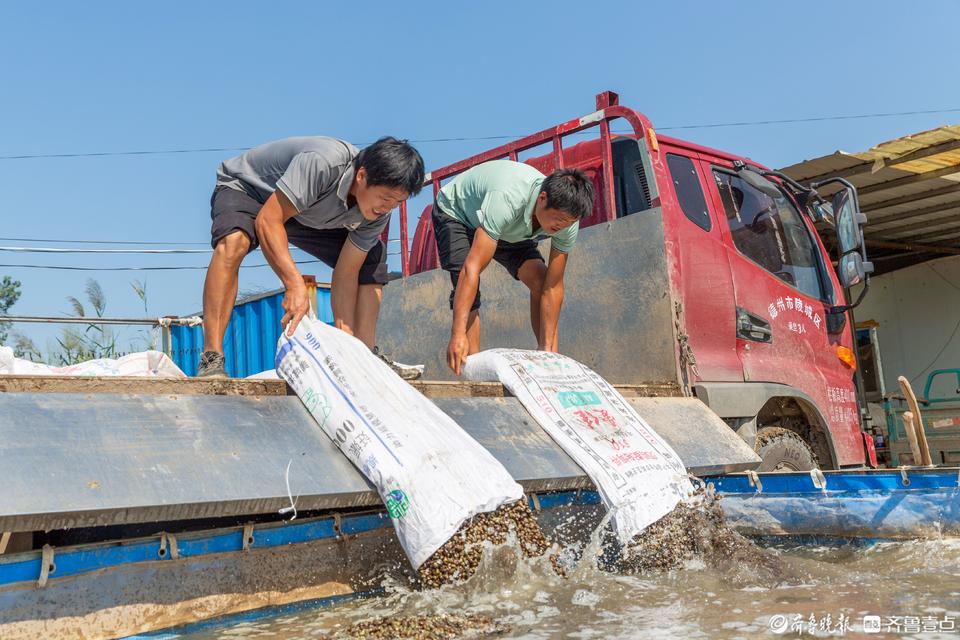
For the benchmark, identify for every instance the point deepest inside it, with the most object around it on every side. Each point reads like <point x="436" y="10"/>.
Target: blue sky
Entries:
<point x="111" y="76"/>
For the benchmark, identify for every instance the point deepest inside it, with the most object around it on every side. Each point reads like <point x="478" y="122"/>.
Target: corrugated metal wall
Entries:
<point x="251" y="339"/>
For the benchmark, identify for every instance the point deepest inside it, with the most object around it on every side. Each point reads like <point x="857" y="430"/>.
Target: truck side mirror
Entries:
<point x="851" y="270"/>
<point x="852" y="267"/>
<point x="757" y="181"/>
<point x="849" y="222"/>
<point x="823" y="212"/>
<point x="836" y="319"/>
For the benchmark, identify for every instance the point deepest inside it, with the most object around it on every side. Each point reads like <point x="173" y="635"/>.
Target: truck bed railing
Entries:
<point x="608" y="108"/>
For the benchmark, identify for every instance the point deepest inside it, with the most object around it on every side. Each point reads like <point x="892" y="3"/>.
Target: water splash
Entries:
<point x="715" y="596"/>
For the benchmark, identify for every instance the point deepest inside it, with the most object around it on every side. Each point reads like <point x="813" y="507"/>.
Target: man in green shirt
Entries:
<point x="497" y="211"/>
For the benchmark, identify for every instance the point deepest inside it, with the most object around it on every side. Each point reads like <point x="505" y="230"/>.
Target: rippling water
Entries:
<point x="911" y="586"/>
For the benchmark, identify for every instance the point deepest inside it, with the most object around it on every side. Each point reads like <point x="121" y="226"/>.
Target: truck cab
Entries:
<point x="692" y="248"/>
<point x="758" y="289"/>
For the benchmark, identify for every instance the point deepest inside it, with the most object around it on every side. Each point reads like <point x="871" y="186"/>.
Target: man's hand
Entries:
<point x="296" y="303"/>
<point x="457" y="352"/>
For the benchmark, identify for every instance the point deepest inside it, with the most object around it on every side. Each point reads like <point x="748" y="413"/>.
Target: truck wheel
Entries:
<point x="783" y="450"/>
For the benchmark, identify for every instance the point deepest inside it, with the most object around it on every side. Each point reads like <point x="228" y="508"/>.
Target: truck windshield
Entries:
<point x="770" y="231"/>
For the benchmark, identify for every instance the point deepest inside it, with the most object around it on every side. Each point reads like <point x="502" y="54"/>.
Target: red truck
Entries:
<point x="698" y="273"/>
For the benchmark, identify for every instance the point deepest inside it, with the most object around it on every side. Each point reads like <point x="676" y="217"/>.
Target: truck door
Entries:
<point x="781" y="297"/>
<point x="704" y="278"/>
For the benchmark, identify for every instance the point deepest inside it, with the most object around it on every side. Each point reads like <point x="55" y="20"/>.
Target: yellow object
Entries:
<point x="846" y="357"/>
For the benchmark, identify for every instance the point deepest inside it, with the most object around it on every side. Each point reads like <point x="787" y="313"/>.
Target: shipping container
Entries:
<point x="251" y="338"/>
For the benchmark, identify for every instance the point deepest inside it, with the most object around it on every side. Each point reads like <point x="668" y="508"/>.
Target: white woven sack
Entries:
<point x="639" y="476"/>
<point x="431" y="475"/>
<point x="150" y="364"/>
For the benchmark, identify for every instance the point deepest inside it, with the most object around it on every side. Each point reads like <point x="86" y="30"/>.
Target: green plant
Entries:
<point x="140" y="288"/>
<point x="23" y="347"/>
<point x="95" y="340"/>
<point x="149" y="337"/>
<point x="9" y="294"/>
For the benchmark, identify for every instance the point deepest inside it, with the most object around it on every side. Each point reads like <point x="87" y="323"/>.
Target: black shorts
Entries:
<point x="453" y="244"/>
<point x="233" y="210"/>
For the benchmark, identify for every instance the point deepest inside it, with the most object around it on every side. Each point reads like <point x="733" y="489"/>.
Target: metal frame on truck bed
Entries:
<point x="608" y="109"/>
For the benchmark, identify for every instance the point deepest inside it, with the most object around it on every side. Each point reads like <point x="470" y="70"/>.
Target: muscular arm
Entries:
<point x="273" y="241"/>
<point x="480" y="255"/>
<point x="343" y="290"/>
<point x="551" y="301"/>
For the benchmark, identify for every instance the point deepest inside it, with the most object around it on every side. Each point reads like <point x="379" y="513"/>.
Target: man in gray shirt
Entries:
<point x="323" y="196"/>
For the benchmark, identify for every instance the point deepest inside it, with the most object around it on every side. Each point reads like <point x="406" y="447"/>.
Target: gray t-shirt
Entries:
<point x="315" y="173"/>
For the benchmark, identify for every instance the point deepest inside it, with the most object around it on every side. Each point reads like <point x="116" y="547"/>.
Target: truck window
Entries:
<point x="629" y="178"/>
<point x="686" y="184"/>
<point x="770" y="232"/>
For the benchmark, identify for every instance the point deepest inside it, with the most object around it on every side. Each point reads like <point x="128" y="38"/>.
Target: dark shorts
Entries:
<point x="233" y="210"/>
<point x="453" y="244"/>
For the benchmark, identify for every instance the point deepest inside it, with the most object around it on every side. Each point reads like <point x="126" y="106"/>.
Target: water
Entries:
<point x="911" y="586"/>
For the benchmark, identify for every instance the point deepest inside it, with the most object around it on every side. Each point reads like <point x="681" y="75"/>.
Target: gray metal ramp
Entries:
<point x="703" y="441"/>
<point x="91" y="459"/>
<point x="618" y="315"/>
<point x="73" y="460"/>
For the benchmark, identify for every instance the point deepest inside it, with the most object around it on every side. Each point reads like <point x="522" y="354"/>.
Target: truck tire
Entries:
<point x="783" y="450"/>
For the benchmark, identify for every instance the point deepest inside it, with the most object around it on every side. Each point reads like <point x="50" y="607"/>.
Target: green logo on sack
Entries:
<point x="577" y="398"/>
<point x="397" y="504"/>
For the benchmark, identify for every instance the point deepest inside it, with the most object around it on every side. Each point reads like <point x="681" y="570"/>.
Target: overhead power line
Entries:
<point x="146" y="242"/>
<point x="94" y="154"/>
<point x="120" y="251"/>
<point x="133" y="242"/>
<point x="178" y="268"/>
<point x="165" y="321"/>
<point x="714" y="125"/>
<point x="113" y="251"/>
<point x="861" y="116"/>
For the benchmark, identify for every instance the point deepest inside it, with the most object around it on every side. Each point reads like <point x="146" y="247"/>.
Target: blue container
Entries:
<point x="252" y="333"/>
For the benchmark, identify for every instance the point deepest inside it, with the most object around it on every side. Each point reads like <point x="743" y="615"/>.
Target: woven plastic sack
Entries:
<point x="639" y="476"/>
<point x="150" y="364"/>
<point x="431" y="475"/>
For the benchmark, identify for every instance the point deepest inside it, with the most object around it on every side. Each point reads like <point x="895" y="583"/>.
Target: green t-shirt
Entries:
<point x="499" y="197"/>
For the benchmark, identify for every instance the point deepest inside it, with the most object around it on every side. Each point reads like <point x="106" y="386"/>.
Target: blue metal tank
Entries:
<point x="251" y="339"/>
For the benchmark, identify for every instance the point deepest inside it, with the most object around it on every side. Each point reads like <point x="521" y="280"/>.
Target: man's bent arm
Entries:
<point x="551" y="300"/>
<point x="345" y="285"/>
<point x="480" y="255"/>
<point x="273" y="241"/>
